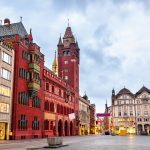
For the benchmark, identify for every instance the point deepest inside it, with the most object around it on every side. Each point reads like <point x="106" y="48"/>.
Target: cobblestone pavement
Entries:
<point x="92" y="142"/>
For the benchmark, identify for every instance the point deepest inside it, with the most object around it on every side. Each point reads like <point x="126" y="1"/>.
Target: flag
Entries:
<point x="72" y="116"/>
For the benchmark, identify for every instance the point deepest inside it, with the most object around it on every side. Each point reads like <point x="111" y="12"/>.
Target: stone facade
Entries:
<point x="84" y="115"/>
<point x="131" y="112"/>
<point x="6" y="88"/>
<point x="92" y="118"/>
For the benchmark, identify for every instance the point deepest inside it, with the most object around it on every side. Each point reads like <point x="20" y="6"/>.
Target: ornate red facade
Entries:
<point x="62" y="92"/>
<point x="42" y="100"/>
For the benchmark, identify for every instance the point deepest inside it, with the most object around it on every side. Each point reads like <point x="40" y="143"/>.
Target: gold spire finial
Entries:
<point x="55" y="65"/>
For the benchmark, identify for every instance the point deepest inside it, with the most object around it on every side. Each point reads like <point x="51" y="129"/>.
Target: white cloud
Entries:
<point x="113" y="36"/>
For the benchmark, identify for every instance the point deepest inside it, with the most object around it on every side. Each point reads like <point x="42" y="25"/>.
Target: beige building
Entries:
<point x="6" y="86"/>
<point x="131" y="112"/>
<point x="84" y="111"/>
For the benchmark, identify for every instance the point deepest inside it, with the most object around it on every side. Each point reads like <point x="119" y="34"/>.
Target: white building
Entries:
<point x="131" y="112"/>
<point x="84" y="111"/>
<point x="6" y="88"/>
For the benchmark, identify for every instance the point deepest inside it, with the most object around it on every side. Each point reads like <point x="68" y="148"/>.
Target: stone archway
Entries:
<point x="71" y="128"/>
<point x="60" y="127"/>
<point x="146" y="128"/>
<point x="66" y="128"/>
<point x="139" y="128"/>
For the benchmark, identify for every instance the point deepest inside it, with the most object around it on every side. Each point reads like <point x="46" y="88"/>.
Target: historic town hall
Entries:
<point x="36" y="101"/>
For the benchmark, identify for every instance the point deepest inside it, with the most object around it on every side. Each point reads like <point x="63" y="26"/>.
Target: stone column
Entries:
<point x="143" y="127"/>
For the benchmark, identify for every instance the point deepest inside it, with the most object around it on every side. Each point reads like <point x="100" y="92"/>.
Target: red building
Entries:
<point x="62" y="92"/>
<point x="28" y="97"/>
<point x="42" y="101"/>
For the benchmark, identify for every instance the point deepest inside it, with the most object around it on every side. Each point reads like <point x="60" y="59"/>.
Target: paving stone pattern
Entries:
<point x="93" y="142"/>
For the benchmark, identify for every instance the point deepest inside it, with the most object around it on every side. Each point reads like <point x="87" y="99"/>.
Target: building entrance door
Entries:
<point x="60" y="128"/>
<point x="66" y="128"/>
<point x="2" y="131"/>
<point x="71" y="126"/>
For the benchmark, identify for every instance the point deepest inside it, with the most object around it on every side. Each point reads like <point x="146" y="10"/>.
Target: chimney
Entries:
<point x="6" y="21"/>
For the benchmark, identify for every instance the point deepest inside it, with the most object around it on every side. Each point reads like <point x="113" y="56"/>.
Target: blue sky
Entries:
<point x="113" y="35"/>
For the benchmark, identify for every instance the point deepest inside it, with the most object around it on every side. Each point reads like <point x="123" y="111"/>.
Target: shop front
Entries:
<point x="4" y="134"/>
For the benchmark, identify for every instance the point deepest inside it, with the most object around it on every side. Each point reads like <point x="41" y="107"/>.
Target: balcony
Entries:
<point x="34" y="86"/>
<point x="34" y="66"/>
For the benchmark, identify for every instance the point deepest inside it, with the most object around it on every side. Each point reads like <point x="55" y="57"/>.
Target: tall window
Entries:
<point x="47" y="86"/>
<point x="36" y="102"/>
<point x="66" y="77"/>
<point x="131" y="113"/>
<point x="6" y="58"/>
<point x="145" y="113"/>
<point x="5" y="74"/>
<point x="35" y="123"/>
<point x="66" y="62"/>
<point x="24" y="98"/>
<point x="24" y="74"/>
<point x="23" y="123"/>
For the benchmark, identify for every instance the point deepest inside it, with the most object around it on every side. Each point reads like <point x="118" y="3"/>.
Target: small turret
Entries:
<point x="113" y="96"/>
<point x="30" y="38"/>
<point x="113" y="92"/>
<point x="60" y="42"/>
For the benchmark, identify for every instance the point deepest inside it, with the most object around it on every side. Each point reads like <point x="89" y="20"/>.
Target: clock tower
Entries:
<point x="68" y="59"/>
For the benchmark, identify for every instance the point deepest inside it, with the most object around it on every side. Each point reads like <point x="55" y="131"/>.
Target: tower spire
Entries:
<point x="55" y="65"/>
<point x="60" y="41"/>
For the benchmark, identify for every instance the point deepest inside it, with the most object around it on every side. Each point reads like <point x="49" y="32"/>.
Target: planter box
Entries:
<point x="54" y="141"/>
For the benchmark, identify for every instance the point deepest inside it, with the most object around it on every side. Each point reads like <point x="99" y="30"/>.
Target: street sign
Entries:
<point x="103" y="114"/>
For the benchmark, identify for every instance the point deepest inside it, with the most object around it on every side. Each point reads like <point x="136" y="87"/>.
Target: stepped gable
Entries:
<point x="142" y="90"/>
<point x="12" y="29"/>
<point x="124" y="91"/>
